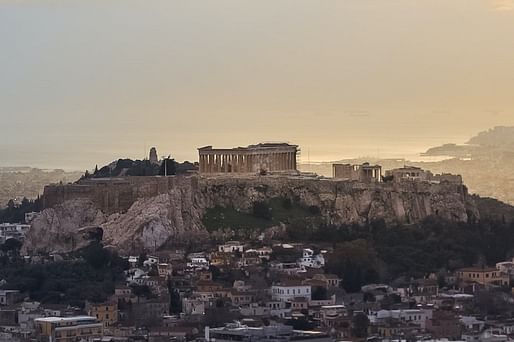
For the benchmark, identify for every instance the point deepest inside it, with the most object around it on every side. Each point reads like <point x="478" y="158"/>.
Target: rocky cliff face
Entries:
<point x="175" y="215"/>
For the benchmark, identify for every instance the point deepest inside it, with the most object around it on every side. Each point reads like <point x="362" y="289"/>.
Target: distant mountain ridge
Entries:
<point x="499" y="136"/>
<point x="494" y="140"/>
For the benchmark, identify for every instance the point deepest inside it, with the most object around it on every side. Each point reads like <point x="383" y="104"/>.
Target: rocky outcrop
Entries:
<point x="172" y="213"/>
<point x="58" y="229"/>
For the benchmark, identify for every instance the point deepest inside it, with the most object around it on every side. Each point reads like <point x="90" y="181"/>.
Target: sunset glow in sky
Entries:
<point x="85" y="82"/>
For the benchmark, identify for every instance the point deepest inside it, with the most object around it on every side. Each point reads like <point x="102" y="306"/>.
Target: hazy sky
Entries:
<point x="86" y="82"/>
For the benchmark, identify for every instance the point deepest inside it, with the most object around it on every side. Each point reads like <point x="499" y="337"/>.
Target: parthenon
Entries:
<point x="272" y="157"/>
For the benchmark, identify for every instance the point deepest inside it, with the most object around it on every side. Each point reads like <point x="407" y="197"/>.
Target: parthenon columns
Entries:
<point x="269" y="157"/>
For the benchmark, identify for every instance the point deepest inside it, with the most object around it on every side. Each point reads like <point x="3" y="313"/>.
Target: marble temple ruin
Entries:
<point x="264" y="157"/>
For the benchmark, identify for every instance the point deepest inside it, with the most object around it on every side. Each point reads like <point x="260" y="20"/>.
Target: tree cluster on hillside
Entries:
<point x="380" y="253"/>
<point x="15" y="213"/>
<point x="90" y="276"/>
<point x="129" y="167"/>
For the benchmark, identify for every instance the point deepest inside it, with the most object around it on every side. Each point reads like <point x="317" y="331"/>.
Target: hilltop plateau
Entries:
<point x="149" y="213"/>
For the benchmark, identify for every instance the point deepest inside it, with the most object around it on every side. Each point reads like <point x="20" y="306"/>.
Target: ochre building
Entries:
<point x="266" y="157"/>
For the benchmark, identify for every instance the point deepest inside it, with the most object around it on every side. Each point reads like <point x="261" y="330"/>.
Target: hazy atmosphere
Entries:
<point x="88" y="82"/>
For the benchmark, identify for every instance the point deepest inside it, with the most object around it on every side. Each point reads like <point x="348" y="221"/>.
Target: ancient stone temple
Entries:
<point x="362" y="173"/>
<point x="267" y="157"/>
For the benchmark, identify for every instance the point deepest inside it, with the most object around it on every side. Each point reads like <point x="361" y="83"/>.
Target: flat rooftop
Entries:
<point x="65" y="319"/>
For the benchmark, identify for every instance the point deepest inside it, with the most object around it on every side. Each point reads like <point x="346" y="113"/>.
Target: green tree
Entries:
<point x="175" y="301"/>
<point x="261" y="210"/>
<point x="168" y="166"/>
<point x="360" y="324"/>
<point x="356" y="262"/>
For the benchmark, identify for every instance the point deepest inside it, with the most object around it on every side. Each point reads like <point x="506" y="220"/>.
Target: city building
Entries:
<point x="264" y="157"/>
<point x="13" y="231"/>
<point x="331" y="280"/>
<point x="68" y="329"/>
<point x="482" y="276"/>
<point x="231" y="247"/>
<point x="287" y="290"/>
<point x="272" y="333"/>
<point x="309" y="259"/>
<point x="107" y="313"/>
<point x="9" y="297"/>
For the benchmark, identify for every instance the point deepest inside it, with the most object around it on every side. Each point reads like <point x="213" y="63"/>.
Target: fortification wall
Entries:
<point x="118" y="194"/>
<point x="109" y="195"/>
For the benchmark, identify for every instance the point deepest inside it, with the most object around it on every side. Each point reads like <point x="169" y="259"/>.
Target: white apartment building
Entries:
<point x="287" y="291"/>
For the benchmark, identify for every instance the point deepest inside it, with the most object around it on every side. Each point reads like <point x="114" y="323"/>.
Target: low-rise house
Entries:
<point x="254" y="310"/>
<point x="290" y="268"/>
<point x="250" y="258"/>
<point x="240" y="297"/>
<point x="395" y="329"/>
<point x="472" y="324"/>
<point x="279" y="309"/>
<point x="331" y="280"/>
<point x="231" y="247"/>
<point x="9" y="297"/>
<point x="323" y="302"/>
<point x="13" y="231"/>
<point x="299" y="303"/>
<point x="506" y="267"/>
<point x="193" y="306"/>
<point x="198" y="263"/>
<point x="502" y="326"/>
<point x="123" y="292"/>
<point x="330" y="315"/>
<point x="240" y="285"/>
<point x="309" y="259"/>
<point x="415" y="316"/>
<point x="421" y="290"/>
<point x="208" y="286"/>
<point x="107" y="313"/>
<point x="238" y="332"/>
<point x="264" y="252"/>
<point x="485" y="336"/>
<point x="222" y="259"/>
<point x="483" y="276"/>
<point x="287" y="290"/>
<point x="27" y="313"/>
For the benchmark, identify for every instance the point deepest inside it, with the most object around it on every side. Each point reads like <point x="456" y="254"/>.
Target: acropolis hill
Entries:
<point x="139" y="213"/>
